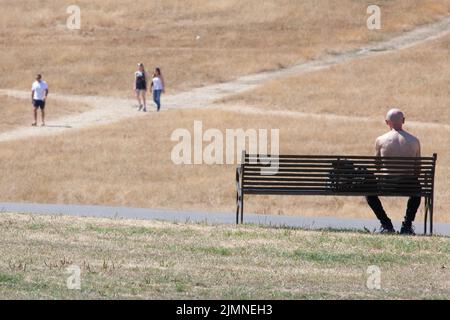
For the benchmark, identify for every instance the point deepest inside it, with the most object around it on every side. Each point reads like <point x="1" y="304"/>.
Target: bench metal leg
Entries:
<point x="242" y="208"/>
<point x="425" y="216"/>
<point x="431" y="215"/>
<point x="238" y="207"/>
<point x="238" y="194"/>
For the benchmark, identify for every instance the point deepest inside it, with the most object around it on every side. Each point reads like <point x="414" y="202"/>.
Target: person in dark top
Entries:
<point x="140" y="87"/>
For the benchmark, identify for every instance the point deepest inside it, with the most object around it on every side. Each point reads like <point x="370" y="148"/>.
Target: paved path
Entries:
<point x="107" y="110"/>
<point x="210" y="218"/>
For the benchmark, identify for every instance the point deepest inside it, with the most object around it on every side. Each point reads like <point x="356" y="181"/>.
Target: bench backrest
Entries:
<point x="337" y="175"/>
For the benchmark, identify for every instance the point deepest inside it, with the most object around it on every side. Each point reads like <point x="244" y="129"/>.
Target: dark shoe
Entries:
<point x="407" y="229"/>
<point x="387" y="229"/>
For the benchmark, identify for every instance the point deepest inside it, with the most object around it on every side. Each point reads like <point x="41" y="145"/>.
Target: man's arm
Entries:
<point x="377" y="154"/>
<point x="46" y="94"/>
<point x="418" y="149"/>
<point x="418" y="154"/>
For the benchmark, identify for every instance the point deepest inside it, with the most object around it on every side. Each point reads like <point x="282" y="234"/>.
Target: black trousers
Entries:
<point x="411" y="210"/>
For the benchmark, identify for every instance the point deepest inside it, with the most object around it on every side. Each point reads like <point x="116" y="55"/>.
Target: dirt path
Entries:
<point x="107" y="110"/>
<point x="321" y="116"/>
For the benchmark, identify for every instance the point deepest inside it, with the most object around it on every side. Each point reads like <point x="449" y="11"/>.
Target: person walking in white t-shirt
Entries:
<point x="39" y="93"/>
<point x="157" y="87"/>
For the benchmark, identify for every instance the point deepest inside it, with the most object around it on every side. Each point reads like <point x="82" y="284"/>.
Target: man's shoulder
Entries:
<point x="383" y="137"/>
<point x="393" y="133"/>
<point x="410" y="137"/>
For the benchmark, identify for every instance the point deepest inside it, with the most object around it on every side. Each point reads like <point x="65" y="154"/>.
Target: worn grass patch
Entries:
<point x="6" y="279"/>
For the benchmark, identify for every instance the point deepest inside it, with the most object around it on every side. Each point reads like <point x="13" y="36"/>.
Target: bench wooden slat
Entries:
<point x="347" y="171"/>
<point x="309" y="175"/>
<point x="340" y="194"/>
<point x="329" y="183"/>
<point x="356" y="163"/>
<point x="320" y="164"/>
<point x="331" y="165"/>
<point x="275" y="171"/>
<point x="284" y="156"/>
<point x="334" y="186"/>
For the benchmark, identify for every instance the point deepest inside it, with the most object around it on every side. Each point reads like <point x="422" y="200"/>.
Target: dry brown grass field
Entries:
<point x="17" y="113"/>
<point x="132" y="259"/>
<point x="236" y="38"/>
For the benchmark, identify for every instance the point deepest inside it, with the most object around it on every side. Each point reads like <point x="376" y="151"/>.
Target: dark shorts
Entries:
<point x="39" y="104"/>
<point x="141" y="86"/>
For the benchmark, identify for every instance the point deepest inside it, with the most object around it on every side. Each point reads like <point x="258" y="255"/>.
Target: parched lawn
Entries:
<point x="133" y="259"/>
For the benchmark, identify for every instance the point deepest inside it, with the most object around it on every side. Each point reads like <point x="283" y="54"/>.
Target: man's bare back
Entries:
<point x="397" y="143"/>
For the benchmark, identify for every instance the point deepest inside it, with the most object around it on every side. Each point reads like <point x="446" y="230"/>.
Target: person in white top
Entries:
<point x="39" y="93"/>
<point x="158" y="87"/>
<point x="396" y="143"/>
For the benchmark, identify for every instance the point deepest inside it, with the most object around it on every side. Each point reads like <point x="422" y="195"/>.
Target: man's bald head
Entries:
<point x="395" y="119"/>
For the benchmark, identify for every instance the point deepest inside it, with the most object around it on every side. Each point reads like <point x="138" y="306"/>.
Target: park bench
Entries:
<point x="324" y="175"/>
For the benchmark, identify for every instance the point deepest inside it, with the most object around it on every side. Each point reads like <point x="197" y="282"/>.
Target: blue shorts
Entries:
<point x="39" y="104"/>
